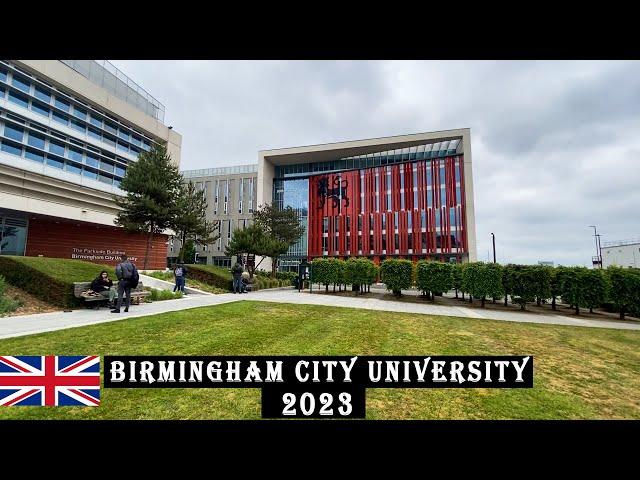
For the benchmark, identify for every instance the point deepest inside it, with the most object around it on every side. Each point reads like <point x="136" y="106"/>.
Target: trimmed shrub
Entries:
<point x="508" y="281"/>
<point x="320" y="272"/>
<point x="595" y="288"/>
<point x="625" y="289"/>
<point x="456" y="277"/>
<point x="522" y="284"/>
<point x="542" y="282"/>
<point x="7" y="305"/>
<point x="358" y="272"/>
<point x="483" y="280"/>
<point x="434" y="278"/>
<point x="397" y="274"/>
<point x="159" y="295"/>
<point x="574" y="287"/>
<point x="336" y="272"/>
<point x="290" y="276"/>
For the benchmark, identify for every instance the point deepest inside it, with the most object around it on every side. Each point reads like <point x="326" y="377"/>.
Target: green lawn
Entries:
<point x="579" y="372"/>
<point x="64" y="269"/>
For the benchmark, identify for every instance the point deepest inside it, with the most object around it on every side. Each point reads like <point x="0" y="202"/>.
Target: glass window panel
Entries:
<point x="79" y="112"/>
<point x="11" y="148"/>
<point x="123" y="134"/>
<point x="120" y="171"/>
<point x="2" y="90"/>
<point x="56" y="147"/>
<point x="14" y="239"/>
<point x="458" y="195"/>
<point x="136" y="140"/>
<point x="122" y="146"/>
<point x="56" y="162"/>
<point x="75" y="154"/>
<point x="19" y="99"/>
<point x="35" y="155"/>
<point x="78" y="125"/>
<point x="73" y="168"/>
<point x="96" y="121"/>
<point x="116" y="182"/>
<point x="39" y="108"/>
<point x="106" y="166"/>
<point x="109" y="139"/>
<point x="90" y="174"/>
<point x="14" y="133"/>
<point x="94" y="133"/>
<point x="60" y="118"/>
<point x="36" y="140"/>
<point x="105" y="179"/>
<point x="21" y="83"/>
<point x="110" y="127"/>
<point x="62" y="104"/>
<point x="3" y="74"/>
<point x="43" y="94"/>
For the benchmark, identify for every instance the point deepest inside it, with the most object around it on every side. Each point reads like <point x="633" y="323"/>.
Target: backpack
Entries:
<point x="179" y="272"/>
<point x="135" y="278"/>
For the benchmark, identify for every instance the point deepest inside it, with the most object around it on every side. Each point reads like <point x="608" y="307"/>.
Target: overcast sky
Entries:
<point x="556" y="145"/>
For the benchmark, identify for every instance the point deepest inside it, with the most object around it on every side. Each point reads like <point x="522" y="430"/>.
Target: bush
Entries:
<point x="625" y="289"/>
<point x="522" y="284"/>
<point x="397" y="275"/>
<point x="542" y="282"/>
<point x="211" y="275"/>
<point x="574" y="287"/>
<point x="358" y="272"/>
<point x="434" y="278"/>
<point x="320" y="272"/>
<point x="50" y="279"/>
<point x="508" y="276"/>
<point x="483" y="280"/>
<point x="595" y="289"/>
<point x="7" y="305"/>
<point x="456" y="277"/>
<point x="290" y="276"/>
<point x="158" y="295"/>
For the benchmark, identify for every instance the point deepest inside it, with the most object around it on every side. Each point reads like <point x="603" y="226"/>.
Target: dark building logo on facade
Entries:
<point x="336" y="193"/>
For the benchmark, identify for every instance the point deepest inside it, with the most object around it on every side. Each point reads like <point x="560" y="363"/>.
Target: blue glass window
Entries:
<point x="90" y="174"/>
<point x="452" y="217"/>
<point x="134" y="150"/>
<point x="39" y="108"/>
<point x="429" y="174"/>
<point x="60" y="118"/>
<point x="443" y="197"/>
<point x="442" y="176"/>
<point x="19" y="99"/>
<point x="116" y="182"/>
<point x="3" y="74"/>
<point x="55" y="161"/>
<point x="122" y="146"/>
<point x="437" y="218"/>
<point x="36" y="140"/>
<point x="73" y="168"/>
<point x="96" y="121"/>
<point x="106" y="166"/>
<point x="136" y="140"/>
<point x="120" y="171"/>
<point x="11" y="148"/>
<point x="123" y="135"/>
<point x="104" y="179"/>
<point x="56" y="147"/>
<point x="109" y="139"/>
<point x="62" y="104"/>
<point x="94" y="133"/>
<point x="21" y="83"/>
<point x="458" y="172"/>
<point x="75" y="154"/>
<point x="35" y="155"/>
<point x="146" y="145"/>
<point x="423" y="219"/>
<point x="14" y="133"/>
<point x="78" y="125"/>
<point x="43" y="94"/>
<point x="458" y="195"/>
<point x="2" y="91"/>
<point x="91" y="160"/>
<point x="110" y="127"/>
<point x="79" y="112"/>
<point x="429" y="198"/>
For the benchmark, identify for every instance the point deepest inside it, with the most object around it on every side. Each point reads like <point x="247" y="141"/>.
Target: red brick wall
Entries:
<point x="92" y="243"/>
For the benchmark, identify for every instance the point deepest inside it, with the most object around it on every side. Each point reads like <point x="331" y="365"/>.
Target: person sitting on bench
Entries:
<point x="103" y="285"/>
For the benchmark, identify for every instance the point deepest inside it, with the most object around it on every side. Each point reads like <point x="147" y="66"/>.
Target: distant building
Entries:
<point x="623" y="253"/>
<point x="546" y="263"/>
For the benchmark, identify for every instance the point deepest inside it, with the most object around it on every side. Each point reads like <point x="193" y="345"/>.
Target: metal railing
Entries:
<point x="106" y="75"/>
<point x="619" y="243"/>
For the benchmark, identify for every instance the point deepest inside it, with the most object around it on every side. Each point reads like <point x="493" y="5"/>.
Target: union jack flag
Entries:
<point x="50" y="380"/>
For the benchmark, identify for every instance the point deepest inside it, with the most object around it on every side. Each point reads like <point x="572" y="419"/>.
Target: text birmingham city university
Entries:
<point x="425" y="370"/>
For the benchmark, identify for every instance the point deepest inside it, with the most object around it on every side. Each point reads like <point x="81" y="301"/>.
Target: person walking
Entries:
<point x="237" y="277"/>
<point x="128" y="278"/>
<point x="180" y="273"/>
<point x="103" y="285"/>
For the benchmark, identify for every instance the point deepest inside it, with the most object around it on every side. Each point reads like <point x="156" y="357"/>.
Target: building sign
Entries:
<point x="336" y="193"/>
<point x="93" y="254"/>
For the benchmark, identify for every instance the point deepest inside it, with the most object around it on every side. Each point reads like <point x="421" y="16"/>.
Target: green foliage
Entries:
<point x="595" y="288"/>
<point x="359" y="272"/>
<point x="153" y="186"/>
<point x="625" y="289"/>
<point x="574" y="286"/>
<point x="7" y="305"/>
<point x="483" y="280"/>
<point x="337" y="272"/>
<point x="320" y="271"/>
<point x="158" y="295"/>
<point x="188" y="252"/>
<point x="290" y="276"/>
<point x="190" y="221"/>
<point x="397" y="275"/>
<point x="522" y="284"/>
<point x="542" y="281"/>
<point x="508" y="280"/>
<point x="456" y="277"/>
<point x="253" y="240"/>
<point x="211" y="275"/>
<point x="434" y="277"/>
<point x="50" y="279"/>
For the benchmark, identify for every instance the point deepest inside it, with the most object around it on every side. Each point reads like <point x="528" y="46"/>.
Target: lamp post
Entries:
<point x="494" y="247"/>
<point x="599" y="250"/>
<point x="595" y="234"/>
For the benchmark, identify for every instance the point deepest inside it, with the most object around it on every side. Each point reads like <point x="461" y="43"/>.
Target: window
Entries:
<point x="62" y="104"/>
<point x="3" y="74"/>
<point x="108" y="139"/>
<point x="19" y="99"/>
<point x="90" y="174"/>
<point x="452" y="217"/>
<point x="359" y="223"/>
<point x="124" y="135"/>
<point x="105" y="179"/>
<point x="91" y="160"/>
<point x="359" y="243"/>
<point x="325" y="247"/>
<point x="120" y="171"/>
<point x="73" y="168"/>
<point x="348" y="223"/>
<point x="43" y="94"/>
<point x="240" y="193"/>
<point x="384" y="242"/>
<point x="458" y="195"/>
<point x="110" y="127"/>
<point x="383" y="217"/>
<point x="146" y="145"/>
<point x="336" y="224"/>
<point x="443" y="196"/>
<point x="325" y="225"/>
<point x="60" y="118"/>
<point x="395" y="221"/>
<point x="2" y="90"/>
<point x="11" y="148"/>
<point x="36" y="140"/>
<point x="13" y="133"/>
<point x="94" y="133"/>
<point x="423" y="219"/>
<point x="136" y="140"/>
<point x="348" y="244"/>
<point x="21" y="83"/>
<point x="54" y="161"/>
<point x="35" y="155"/>
<point x="95" y="120"/>
<point x="106" y="166"/>
<point x="78" y="125"/>
<point x="79" y="112"/>
<point x="56" y="147"/>
<point x="75" y="154"/>
<point x="122" y="146"/>
<point x="396" y="241"/>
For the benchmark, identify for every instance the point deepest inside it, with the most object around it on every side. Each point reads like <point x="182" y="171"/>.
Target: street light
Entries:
<point x="494" y="247"/>
<point x="595" y="234"/>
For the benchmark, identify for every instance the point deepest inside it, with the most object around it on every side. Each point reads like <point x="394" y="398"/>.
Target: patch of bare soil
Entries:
<point x="30" y="304"/>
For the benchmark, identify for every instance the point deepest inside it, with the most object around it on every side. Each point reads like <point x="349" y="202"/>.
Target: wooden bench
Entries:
<point x="79" y="287"/>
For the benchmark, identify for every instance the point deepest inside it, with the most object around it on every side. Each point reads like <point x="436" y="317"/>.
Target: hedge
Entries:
<point x="397" y="275"/>
<point x="50" y="279"/>
<point x="434" y="278"/>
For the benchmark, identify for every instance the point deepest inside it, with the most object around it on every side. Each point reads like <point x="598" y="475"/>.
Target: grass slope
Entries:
<point x="579" y="372"/>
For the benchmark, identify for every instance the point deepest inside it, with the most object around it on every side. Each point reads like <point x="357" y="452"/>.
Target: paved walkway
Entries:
<point x="47" y="322"/>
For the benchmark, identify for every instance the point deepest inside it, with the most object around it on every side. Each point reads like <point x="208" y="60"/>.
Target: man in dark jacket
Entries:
<point x="127" y="274"/>
<point x="237" y="277"/>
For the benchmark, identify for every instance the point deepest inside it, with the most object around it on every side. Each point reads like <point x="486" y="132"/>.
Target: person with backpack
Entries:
<point x="128" y="278"/>
<point x="180" y="273"/>
<point x="236" y="271"/>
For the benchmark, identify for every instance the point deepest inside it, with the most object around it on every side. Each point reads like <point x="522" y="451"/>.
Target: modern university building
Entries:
<point x="409" y="196"/>
<point x="68" y="131"/>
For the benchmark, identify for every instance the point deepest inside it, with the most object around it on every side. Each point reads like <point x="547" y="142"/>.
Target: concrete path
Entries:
<point x="47" y="322"/>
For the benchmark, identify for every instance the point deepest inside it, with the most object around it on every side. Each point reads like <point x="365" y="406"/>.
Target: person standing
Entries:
<point x="180" y="273"/>
<point x="103" y="285"/>
<point x="128" y="278"/>
<point x="237" y="277"/>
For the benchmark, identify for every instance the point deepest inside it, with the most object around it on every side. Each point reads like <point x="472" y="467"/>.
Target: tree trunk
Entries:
<point x="493" y="300"/>
<point x="621" y="314"/>
<point x="462" y="295"/>
<point x="506" y="299"/>
<point x="577" y="309"/>
<point x="590" y="309"/>
<point x="274" y="267"/>
<point x="149" y="240"/>
<point x="326" y="287"/>
<point x="456" y="293"/>
<point x="334" y="288"/>
<point x="553" y="303"/>
<point x="470" y="298"/>
<point x="522" y="306"/>
<point x="538" y="300"/>
<point x="482" y="302"/>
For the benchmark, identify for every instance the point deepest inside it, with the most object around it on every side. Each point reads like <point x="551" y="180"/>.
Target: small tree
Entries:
<point x="595" y="288"/>
<point x="357" y="273"/>
<point x="320" y="272"/>
<point x="523" y="287"/>
<point x="574" y="287"/>
<point x="555" y="284"/>
<point x="188" y="251"/>
<point x="282" y="225"/>
<point x="542" y="282"/>
<point x="190" y="219"/>
<point x="456" y="274"/>
<point x="153" y="186"/>
<point x="434" y="277"/>
<point x="397" y="275"/>
<point x="252" y="240"/>
<point x="484" y="280"/>
<point x="625" y="289"/>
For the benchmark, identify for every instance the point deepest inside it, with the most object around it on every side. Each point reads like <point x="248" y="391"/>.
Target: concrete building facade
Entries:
<point x="231" y="194"/>
<point x="622" y="253"/>
<point x="69" y="129"/>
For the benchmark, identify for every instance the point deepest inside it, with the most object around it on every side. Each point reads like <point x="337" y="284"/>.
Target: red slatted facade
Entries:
<point x="366" y="206"/>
